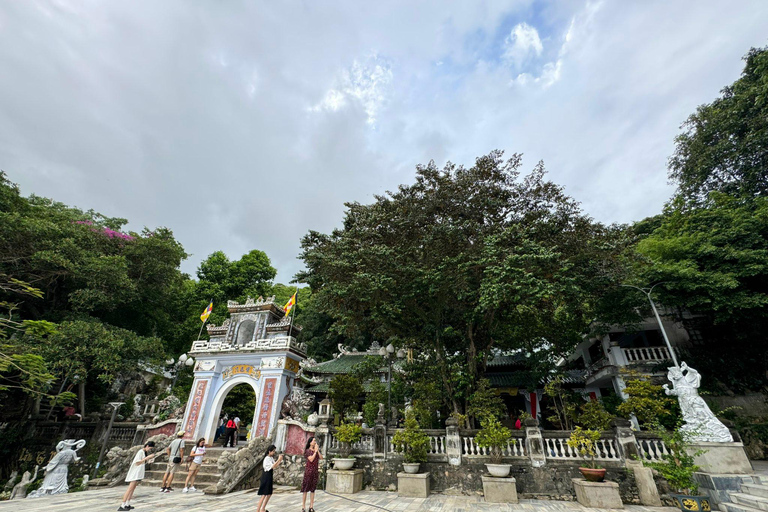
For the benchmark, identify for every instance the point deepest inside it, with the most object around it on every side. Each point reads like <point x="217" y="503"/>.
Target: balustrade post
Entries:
<point x="452" y="442"/>
<point x="380" y="437"/>
<point x="625" y="438"/>
<point x="534" y="442"/>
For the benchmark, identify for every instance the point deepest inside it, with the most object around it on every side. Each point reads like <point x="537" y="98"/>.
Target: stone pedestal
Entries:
<point x="499" y="490"/>
<point x="718" y="486"/>
<point x="344" y="481"/>
<point x="722" y="458"/>
<point x="413" y="485"/>
<point x="597" y="494"/>
<point x="646" y="486"/>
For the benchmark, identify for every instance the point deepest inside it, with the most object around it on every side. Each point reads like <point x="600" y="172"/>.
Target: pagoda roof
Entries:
<point x="507" y="360"/>
<point x="325" y="387"/>
<point x="343" y="364"/>
<point x="517" y="379"/>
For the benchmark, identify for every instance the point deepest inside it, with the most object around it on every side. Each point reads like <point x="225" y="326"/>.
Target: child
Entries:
<point x="265" y="489"/>
<point x="136" y="473"/>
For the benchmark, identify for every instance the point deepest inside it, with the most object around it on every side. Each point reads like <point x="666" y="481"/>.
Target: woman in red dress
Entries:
<point x="309" y="484"/>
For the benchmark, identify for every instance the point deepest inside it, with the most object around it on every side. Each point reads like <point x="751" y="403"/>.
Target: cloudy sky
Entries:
<point x="243" y="125"/>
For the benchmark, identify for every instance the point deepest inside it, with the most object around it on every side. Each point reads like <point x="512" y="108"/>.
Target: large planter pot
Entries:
<point x="593" y="475"/>
<point x="499" y="470"/>
<point x="345" y="463"/>
<point x="692" y="503"/>
<point x="411" y="467"/>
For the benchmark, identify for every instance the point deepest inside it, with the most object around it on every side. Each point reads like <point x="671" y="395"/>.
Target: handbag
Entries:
<point x="176" y="460"/>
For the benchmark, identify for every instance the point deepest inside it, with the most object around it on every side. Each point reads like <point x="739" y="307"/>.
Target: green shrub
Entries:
<point x="677" y="466"/>
<point x="411" y="441"/>
<point x="495" y="436"/>
<point x="584" y="442"/>
<point x="348" y="434"/>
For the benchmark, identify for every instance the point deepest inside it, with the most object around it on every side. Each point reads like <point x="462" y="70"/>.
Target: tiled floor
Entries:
<point x="284" y="499"/>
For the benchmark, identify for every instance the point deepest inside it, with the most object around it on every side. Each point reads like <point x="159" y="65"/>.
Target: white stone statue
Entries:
<point x="55" y="481"/>
<point x="20" y="489"/>
<point x="700" y="424"/>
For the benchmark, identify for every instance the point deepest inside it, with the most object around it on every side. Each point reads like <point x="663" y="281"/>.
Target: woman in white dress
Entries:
<point x="136" y="473"/>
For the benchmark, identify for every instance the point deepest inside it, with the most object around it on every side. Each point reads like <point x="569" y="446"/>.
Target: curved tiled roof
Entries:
<point x="342" y="364"/>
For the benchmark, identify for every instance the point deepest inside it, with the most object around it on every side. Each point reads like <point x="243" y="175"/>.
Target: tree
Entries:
<point x="725" y="143"/>
<point x="485" y="403"/>
<point x="460" y="262"/>
<point x="647" y="402"/>
<point x="345" y="392"/>
<point x="713" y="262"/>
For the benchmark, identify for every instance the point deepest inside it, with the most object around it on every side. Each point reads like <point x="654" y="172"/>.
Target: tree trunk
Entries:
<point x="81" y="397"/>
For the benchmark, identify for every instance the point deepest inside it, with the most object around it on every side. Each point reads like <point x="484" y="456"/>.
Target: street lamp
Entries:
<point x="388" y="353"/>
<point x="184" y="360"/>
<point x="658" y="318"/>
<point x="115" y="407"/>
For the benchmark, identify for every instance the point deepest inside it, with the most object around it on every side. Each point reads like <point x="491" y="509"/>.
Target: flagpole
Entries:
<point x="291" y="314"/>
<point x="201" y="327"/>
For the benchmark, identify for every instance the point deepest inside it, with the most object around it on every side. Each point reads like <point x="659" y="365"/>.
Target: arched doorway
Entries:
<point x="240" y="402"/>
<point x="244" y="388"/>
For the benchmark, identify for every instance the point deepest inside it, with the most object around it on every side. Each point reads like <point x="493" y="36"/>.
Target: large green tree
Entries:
<point x="463" y="261"/>
<point x="724" y="145"/>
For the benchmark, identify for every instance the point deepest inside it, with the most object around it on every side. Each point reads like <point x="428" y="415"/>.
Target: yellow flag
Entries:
<point x="291" y="302"/>
<point x="207" y="312"/>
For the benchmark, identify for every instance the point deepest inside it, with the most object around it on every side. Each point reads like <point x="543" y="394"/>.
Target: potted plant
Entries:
<point x="347" y="434"/>
<point x="677" y="468"/>
<point x="584" y="442"/>
<point x="494" y="436"/>
<point x="412" y="443"/>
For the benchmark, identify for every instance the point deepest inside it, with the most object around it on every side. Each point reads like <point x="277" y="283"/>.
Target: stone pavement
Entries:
<point x="285" y="499"/>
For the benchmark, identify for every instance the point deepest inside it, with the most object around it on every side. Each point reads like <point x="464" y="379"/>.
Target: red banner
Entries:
<point x="194" y="409"/>
<point x="265" y="412"/>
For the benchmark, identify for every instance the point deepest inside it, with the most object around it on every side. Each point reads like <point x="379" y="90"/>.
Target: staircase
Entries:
<point x="752" y="497"/>
<point x="207" y="476"/>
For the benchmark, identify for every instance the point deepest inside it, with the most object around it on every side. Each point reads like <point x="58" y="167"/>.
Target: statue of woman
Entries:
<point x="700" y="423"/>
<point x="55" y="481"/>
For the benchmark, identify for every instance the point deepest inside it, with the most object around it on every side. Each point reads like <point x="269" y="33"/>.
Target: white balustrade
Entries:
<point x="557" y="448"/>
<point x="646" y="354"/>
<point x="651" y="449"/>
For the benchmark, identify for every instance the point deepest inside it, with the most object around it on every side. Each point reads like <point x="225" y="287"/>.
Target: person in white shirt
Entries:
<point x="265" y="489"/>
<point x="175" y="453"/>
<point x="136" y="473"/>
<point x="197" y="460"/>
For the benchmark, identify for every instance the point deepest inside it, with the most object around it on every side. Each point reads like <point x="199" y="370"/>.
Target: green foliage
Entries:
<point x="240" y="402"/>
<point x="484" y="403"/>
<point x="348" y="434"/>
<point x="377" y="395"/>
<point x="647" y="402"/>
<point x="461" y="262"/>
<point x="677" y="466"/>
<point x="563" y="403"/>
<point x="724" y="144"/>
<point x="594" y="416"/>
<point x="493" y="435"/>
<point x="345" y="392"/>
<point x="411" y="441"/>
<point x="585" y="442"/>
<point x="425" y="401"/>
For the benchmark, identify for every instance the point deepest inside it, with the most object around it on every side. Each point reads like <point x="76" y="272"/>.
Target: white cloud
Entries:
<point x="522" y="43"/>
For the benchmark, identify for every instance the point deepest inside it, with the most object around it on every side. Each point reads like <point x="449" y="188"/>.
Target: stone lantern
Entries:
<point x="324" y="413"/>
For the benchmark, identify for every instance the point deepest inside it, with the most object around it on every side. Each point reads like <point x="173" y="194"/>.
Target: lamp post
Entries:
<point x="388" y="353"/>
<point x="115" y="407"/>
<point x="647" y="293"/>
<point x="184" y="360"/>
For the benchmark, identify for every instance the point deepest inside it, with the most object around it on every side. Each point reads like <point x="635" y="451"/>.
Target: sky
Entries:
<point x="243" y="125"/>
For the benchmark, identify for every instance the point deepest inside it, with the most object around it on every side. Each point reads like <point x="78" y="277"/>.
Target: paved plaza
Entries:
<point x="285" y="499"/>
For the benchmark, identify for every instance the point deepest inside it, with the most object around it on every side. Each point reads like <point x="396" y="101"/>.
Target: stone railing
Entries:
<point x="263" y="345"/>
<point x="646" y="354"/>
<point x="539" y="446"/>
<point x="556" y="446"/>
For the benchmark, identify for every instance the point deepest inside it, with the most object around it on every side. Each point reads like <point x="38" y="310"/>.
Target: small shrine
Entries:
<point x="255" y="345"/>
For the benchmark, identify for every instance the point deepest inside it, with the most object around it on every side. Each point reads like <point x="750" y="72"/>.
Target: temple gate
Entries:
<point x="253" y="346"/>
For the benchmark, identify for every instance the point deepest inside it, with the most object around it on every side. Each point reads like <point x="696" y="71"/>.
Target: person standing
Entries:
<point x="237" y="430"/>
<point x="309" y="484"/>
<point x="197" y="453"/>
<point x="265" y="489"/>
<point x="136" y="473"/>
<point x="175" y="453"/>
<point x="229" y="436"/>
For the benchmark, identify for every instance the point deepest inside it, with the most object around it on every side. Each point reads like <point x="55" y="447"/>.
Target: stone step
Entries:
<point x="758" y="502"/>
<point x="181" y="477"/>
<point x="755" y="489"/>
<point x="737" y="507"/>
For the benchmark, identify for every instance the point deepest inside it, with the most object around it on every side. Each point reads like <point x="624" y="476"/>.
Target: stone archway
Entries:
<point x="211" y="422"/>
